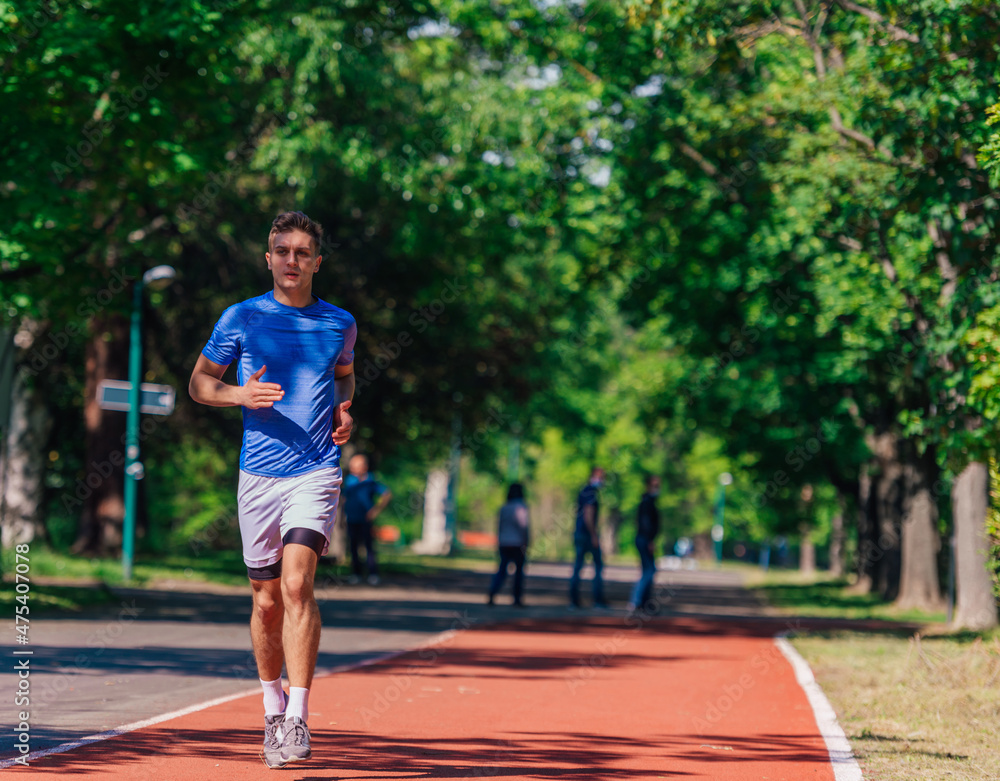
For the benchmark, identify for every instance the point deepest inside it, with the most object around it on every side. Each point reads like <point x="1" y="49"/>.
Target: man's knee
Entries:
<point x="296" y="589"/>
<point x="267" y="603"/>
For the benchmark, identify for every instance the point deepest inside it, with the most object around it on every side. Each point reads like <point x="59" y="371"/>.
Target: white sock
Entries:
<point x="274" y="697"/>
<point x="298" y="703"/>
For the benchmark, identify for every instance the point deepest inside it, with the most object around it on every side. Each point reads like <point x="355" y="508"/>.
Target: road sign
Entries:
<point x="153" y="399"/>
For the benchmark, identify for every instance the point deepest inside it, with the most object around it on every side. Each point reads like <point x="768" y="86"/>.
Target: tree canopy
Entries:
<point x="678" y="237"/>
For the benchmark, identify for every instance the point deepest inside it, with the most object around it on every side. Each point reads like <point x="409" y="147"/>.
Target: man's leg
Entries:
<point x="518" y="557"/>
<point x="265" y="634"/>
<point x="574" y="581"/>
<point x="302" y="624"/>
<point x="370" y="550"/>
<point x="310" y="504"/>
<point x="595" y="552"/>
<point x="300" y="640"/>
<point x="649" y="575"/>
<point x="500" y="575"/>
<point x="354" y="532"/>
<point x="642" y="587"/>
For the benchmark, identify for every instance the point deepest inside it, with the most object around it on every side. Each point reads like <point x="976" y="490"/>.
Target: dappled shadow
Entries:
<point x="339" y="755"/>
<point x="485" y="662"/>
<point x="209" y="662"/>
<point x="897" y="746"/>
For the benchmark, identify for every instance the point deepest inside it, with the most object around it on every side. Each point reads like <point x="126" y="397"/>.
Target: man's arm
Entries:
<point x="206" y="387"/>
<point x="343" y="384"/>
<point x="343" y="392"/>
<point x="383" y="500"/>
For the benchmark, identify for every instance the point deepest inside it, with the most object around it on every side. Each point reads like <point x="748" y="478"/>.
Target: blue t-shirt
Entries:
<point x="587" y="498"/>
<point x="300" y="347"/>
<point x="359" y="497"/>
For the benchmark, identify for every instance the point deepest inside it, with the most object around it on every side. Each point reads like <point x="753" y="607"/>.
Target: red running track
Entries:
<point x="584" y="699"/>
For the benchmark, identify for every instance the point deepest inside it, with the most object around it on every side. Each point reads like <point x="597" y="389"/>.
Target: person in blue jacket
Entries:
<point x="364" y="499"/>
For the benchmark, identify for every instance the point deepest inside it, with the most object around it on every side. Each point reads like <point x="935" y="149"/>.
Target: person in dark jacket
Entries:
<point x="513" y="536"/>
<point x="586" y="539"/>
<point x="648" y="526"/>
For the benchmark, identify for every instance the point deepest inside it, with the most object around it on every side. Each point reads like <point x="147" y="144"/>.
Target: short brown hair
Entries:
<point x="290" y="221"/>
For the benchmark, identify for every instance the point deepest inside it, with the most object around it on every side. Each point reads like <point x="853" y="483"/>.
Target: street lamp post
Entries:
<point x="157" y="277"/>
<point x="718" y="530"/>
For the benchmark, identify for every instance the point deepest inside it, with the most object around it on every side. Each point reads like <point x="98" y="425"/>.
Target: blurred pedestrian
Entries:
<point x="513" y="536"/>
<point x="586" y="540"/>
<point x="364" y="500"/>
<point x="647" y="527"/>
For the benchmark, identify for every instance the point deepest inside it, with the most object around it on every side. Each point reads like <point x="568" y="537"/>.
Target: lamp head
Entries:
<point x="159" y="277"/>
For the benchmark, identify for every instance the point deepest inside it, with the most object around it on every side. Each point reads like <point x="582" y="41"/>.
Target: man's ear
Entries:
<point x="267" y="257"/>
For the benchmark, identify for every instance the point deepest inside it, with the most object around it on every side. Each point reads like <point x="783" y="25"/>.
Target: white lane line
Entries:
<point x="845" y="766"/>
<point x="113" y="733"/>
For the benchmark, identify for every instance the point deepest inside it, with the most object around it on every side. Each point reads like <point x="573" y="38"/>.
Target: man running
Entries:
<point x="295" y="381"/>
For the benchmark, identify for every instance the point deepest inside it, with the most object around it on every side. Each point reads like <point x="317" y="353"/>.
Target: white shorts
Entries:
<point x="270" y="506"/>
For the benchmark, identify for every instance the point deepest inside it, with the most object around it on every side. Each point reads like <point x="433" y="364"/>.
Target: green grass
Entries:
<point x="49" y="598"/>
<point x="792" y="594"/>
<point x="913" y="707"/>
<point x="217" y="567"/>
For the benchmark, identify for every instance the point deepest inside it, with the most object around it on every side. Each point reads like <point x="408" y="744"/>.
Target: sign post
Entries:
<point x="133" y="399"/>
<point x="155" y="278"/>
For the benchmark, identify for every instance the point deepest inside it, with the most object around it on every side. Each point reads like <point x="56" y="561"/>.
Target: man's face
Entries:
<point x="654" y="486"/>
<point x="359" y="466"/>
<point x="292" y="261"/>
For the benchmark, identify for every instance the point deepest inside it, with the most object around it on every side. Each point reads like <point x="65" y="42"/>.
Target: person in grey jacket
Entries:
<point x="513" y="536"/>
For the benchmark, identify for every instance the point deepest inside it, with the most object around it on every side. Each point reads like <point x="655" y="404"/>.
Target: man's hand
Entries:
<point x="383" y="500"/>
<point x="343" y="423"/>
<point x="255" y="394"/>
<point x="595" y="541"/>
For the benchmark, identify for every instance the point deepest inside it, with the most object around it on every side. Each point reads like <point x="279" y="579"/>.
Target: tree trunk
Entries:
<point x="702" y="547"/>
<point x="867" y="555"/>
<point x="838" y="537"/>
<point x="919" y="586"/>
<point x="435" y="538"/>
<point x="976" y="606"/>
<point x="99" y="494"/>
<point x="22" y="465"/>
<point x="807" y="550"/>
<point x="549" y="529"/>
<point x="890" y="498"/>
